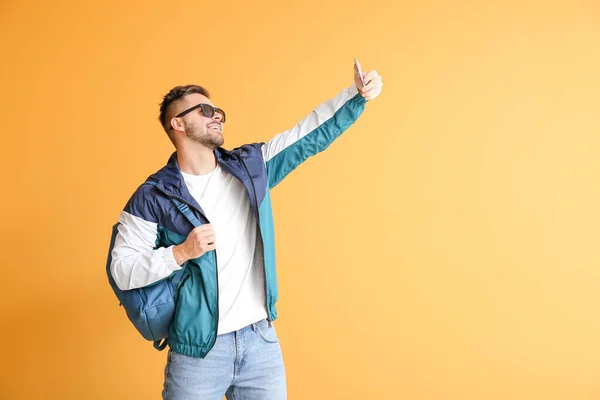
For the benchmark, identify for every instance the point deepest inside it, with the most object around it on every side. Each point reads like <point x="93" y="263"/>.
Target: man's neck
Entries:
<point x="196" y="159"/>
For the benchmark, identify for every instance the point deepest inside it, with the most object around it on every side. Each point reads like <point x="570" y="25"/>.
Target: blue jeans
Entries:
<point x="242" y="365"/>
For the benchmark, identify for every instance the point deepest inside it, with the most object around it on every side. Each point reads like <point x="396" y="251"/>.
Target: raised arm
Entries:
<point x="320" y="128"/>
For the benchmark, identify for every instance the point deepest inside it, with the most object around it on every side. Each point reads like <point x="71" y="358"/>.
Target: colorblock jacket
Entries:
<point x="150" y="224"/>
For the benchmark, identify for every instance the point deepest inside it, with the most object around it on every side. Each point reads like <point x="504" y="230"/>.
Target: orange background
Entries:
<point x="446" y="247"/>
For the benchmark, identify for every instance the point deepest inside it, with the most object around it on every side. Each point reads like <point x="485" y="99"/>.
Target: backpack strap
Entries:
<point x="185" y="210"/>
<point x="160" y="346"/>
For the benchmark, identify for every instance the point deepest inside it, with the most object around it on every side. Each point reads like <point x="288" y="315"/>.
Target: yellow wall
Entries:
<point x="446" y="247"/>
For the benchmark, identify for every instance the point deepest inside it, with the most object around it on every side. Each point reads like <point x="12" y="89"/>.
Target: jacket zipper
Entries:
<point x="260" y="233"/>
<point x="216" y="265"/>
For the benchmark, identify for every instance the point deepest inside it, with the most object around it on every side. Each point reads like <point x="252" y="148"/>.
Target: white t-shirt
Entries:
<point x="240" y="264"/>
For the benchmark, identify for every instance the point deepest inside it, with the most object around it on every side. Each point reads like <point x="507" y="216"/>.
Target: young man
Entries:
<point x="221" y="339"/>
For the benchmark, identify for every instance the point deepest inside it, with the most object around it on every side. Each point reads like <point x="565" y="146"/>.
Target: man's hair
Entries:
<point x="175" y="94"/>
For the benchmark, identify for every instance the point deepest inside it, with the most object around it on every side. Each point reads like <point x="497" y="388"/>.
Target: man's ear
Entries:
<point x="176" y="124"/>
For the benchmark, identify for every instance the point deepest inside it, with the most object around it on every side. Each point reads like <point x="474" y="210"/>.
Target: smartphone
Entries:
<point x="360" y="73"/>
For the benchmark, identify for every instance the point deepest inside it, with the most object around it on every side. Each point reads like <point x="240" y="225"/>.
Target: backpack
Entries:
<point x="151" y="308"/>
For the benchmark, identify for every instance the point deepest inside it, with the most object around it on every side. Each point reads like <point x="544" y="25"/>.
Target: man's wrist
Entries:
<point x="179" y="255"/>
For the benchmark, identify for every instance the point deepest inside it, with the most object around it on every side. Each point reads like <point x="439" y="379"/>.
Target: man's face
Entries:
<point x="207" y="131"/>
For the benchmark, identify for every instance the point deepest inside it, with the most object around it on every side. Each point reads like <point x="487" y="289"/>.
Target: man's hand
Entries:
<point x="198" y="242"/>
<point x="373" y="84"/>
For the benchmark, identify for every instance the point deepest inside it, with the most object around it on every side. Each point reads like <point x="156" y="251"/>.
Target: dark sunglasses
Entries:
<point x="207" y="110"/>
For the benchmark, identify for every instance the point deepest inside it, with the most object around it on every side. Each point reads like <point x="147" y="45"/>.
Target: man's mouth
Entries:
<point x="215" y="127"/>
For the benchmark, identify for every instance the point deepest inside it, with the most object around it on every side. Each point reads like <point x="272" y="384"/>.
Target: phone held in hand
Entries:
<point x="360" y="73"/>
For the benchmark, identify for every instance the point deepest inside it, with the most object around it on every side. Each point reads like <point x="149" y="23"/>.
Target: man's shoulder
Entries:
<point x="147" y="202"/>
<point x="248" y="147"/>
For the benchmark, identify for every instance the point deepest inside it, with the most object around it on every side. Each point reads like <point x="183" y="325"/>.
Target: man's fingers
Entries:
<point x="203" y="227"/>
<point x="373" y="94"/>
<point x="374" y="83"/>
<point x="207" y="234"/>
<point x="368" y="89"/>
<point x="203" y="231"/>
<point x="369" y="76"/>
<point x="209" y="238"/>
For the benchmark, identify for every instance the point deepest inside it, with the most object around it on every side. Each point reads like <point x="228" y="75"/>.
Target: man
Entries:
<point x="221" y="340"/>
